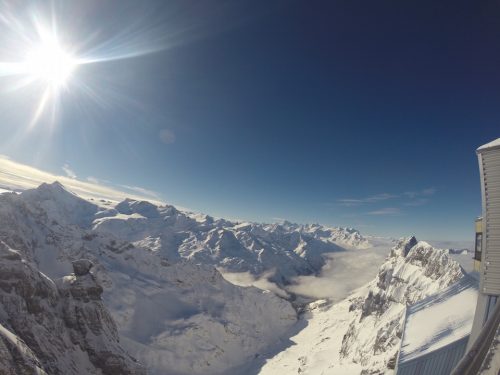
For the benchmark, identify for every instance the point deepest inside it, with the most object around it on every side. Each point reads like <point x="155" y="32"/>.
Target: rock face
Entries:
<point x="413" y="271"/>
<point x="175" y="315"/>
<point x="55" y="329"/>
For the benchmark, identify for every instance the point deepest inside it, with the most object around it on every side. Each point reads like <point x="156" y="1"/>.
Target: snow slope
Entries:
<point x="316" y="349"/>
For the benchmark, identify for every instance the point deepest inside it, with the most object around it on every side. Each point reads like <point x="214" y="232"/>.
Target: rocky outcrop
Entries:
<point x="56" y="329"/>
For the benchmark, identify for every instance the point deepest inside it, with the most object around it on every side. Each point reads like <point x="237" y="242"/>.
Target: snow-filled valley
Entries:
<point x="132" y="287"/>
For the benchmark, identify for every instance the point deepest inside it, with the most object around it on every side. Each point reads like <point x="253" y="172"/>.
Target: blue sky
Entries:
<point x="350" y="113"/>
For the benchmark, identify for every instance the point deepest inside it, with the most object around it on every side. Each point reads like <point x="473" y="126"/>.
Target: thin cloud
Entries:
<point x="416" y="198"/>
<point x="417" y="202"/>
<point x="17" y="176"/>
<point x="142" y="191"/>
<point x="410" y="194"/>
<point x="429" y="191"/>
<point x="350" y="202"/>
<point x="372" y="199"/>
<point x="96" y="180"/>
<point x="69" y="172"/>
<point x="388" y="211"/>
<point x="380" y="197"/>
<point x="425" y="192"/>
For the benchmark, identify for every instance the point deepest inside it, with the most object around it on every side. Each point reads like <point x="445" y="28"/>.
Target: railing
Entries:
<point x="473" y="359"/>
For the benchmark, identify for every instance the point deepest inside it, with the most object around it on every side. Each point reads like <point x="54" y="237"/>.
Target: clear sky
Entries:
<point x="350" y="113"/>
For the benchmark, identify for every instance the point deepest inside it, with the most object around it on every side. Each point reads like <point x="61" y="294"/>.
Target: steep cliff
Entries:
<point x="56" y="328"/>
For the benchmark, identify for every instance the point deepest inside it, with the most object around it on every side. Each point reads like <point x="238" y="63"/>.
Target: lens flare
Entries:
<point x="43" y="59"/>
<point x="37" y="60"/>
<point x="50" y="64"/>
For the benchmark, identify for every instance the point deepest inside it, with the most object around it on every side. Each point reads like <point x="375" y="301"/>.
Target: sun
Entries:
<point x="45" y="60"/>
<point x="49" y="63"/>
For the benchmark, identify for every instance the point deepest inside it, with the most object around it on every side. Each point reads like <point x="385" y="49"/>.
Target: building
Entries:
<point x="489" y="260"/>
<point x="454" y="332"/>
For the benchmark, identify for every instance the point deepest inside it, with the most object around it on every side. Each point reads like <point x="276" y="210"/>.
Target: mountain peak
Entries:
<point x="405" y="244"/>
<point x="61" y="204"/>
<point x="54" y="191"/>
<point x="144" y="208"/>
<point x="54" y="187"/>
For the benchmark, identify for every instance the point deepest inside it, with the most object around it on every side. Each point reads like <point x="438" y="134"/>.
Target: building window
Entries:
<point x="479" y="246"/>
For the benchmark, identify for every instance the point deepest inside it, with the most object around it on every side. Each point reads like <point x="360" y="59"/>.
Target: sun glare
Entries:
<point x="40" y="58"/>
<point x="50" y="64"/>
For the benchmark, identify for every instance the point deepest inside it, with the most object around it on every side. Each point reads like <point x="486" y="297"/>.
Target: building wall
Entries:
<point x="489" y="267"/>
<point x="479" y="317"/>
<point x="438" y="362"/>
<point x="489" y="167"/>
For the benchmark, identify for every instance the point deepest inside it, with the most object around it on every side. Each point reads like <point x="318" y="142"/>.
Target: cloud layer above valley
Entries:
<point x="343" y="273"/>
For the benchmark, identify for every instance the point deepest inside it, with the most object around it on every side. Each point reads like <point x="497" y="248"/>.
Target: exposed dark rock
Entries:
<point x="82" y="267"/>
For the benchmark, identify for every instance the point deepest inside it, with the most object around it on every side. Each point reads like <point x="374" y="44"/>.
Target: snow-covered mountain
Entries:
<point x="288" y="249"/>
<point x="361" y="334"/>
<point x="176" y="315"/>
<point x="154" y="290"/>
